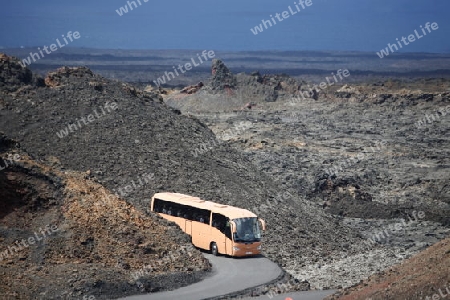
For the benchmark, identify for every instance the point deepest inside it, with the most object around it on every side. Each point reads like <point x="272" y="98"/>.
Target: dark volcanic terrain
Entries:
<point x="357" y="152"/>
<point x="348" y="182"/>
<point x="143" y="137"/>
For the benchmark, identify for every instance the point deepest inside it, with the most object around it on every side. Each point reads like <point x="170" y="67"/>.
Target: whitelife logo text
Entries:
<point x="53" y="47"/>
<point x="411" y="38"/>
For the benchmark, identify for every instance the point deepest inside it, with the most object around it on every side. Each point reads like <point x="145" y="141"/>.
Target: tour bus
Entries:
<point x="221" y="229"/>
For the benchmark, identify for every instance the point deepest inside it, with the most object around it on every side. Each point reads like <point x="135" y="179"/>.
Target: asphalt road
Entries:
<point x="228" y="275"/>
<point x="231" y="275"/>
<point x="308" y="295"/>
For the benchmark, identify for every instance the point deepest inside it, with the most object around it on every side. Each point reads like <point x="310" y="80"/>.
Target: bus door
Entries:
<point x="218" y="232"/>
<point x="228" y="239"/>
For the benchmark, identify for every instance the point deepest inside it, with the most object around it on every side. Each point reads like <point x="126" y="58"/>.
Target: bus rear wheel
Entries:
<point x="214" y="249"/>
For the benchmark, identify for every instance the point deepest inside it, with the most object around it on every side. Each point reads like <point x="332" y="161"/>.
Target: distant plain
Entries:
<point x="144" y="66"/>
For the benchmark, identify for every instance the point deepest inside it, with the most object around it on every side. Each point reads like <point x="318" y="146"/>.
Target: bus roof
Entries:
<point x="226" y="210"/>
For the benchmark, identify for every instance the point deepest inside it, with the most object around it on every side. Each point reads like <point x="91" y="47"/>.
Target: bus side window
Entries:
<point x="199" y="215"/>
<point x="222" y="223"/>
<point x="216" y="221"/>
<point x="186" y="213"/>
<point x="215" y="224"/>
<point x="159" y="205"/>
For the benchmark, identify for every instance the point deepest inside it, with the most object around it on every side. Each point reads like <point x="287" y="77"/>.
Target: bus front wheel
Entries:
<point x="214" y="249"/>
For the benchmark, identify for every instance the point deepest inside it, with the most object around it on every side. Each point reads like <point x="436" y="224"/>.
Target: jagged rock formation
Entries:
<point x="222" y="79"/>
<point x="192" y="89"/>
<point x="13" y="76"/>
<point x="346" y="92"/>
<point x="62" y="76"/>
<point x="226" y="90"/>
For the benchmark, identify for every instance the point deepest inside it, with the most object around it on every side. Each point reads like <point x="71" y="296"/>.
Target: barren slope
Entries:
<point x="421" y="276"/>
<point x="97" y="243"/>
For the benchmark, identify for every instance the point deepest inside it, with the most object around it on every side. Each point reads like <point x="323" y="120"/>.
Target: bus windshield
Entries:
<point x="247" y="230"/>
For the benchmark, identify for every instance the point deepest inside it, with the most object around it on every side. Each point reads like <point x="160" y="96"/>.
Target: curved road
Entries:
<point x="307" y="295"/>
<point x="229" y="275"/>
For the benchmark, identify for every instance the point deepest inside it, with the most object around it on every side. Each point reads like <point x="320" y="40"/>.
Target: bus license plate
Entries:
<point x="248" y="252"/>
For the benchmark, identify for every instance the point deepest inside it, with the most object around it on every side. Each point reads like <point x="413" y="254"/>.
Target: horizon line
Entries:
<point x="225" y="51"/>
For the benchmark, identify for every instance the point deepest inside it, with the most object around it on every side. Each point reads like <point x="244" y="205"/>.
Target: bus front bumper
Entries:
<point x="246" y="249"/>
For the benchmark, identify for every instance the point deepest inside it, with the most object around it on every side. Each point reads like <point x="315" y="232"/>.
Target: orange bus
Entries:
<point x="221" y="229"/>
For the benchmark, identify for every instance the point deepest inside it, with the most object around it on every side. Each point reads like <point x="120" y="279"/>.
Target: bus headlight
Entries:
<point x="236" y="248"/>
<point x="258" y="248"/>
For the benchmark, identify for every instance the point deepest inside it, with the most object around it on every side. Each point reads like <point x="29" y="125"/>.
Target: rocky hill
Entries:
<point x="64" y="236"/>
<point x="424" y="276"/>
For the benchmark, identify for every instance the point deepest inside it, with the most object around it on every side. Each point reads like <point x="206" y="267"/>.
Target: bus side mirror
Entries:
<point x="263" y="224"/>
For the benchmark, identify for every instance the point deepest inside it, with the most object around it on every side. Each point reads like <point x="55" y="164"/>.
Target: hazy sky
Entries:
<point x="362" y="25"/>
